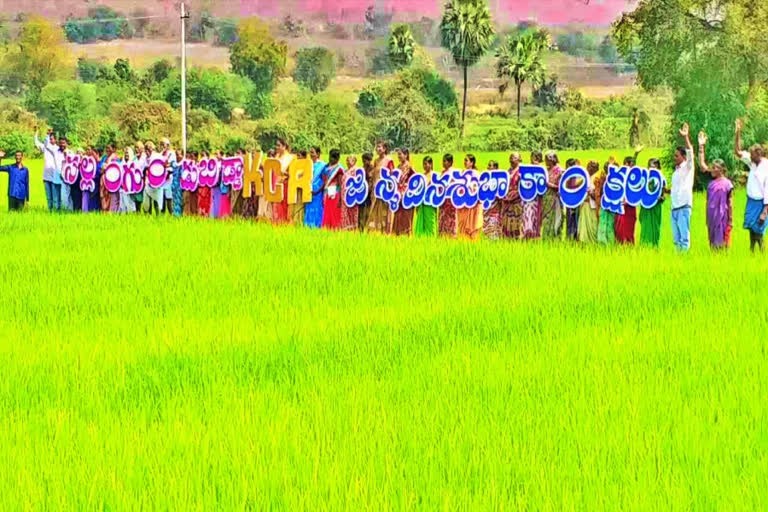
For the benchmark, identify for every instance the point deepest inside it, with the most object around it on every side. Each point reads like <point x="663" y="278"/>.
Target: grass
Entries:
<point x="159" y="363"/>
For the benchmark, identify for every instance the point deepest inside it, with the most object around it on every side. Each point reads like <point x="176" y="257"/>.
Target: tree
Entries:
<point x="65" y="103"/>
<point x="401" y="46"/>
<point x="37" y="56"/>
<point x="124" y="71"/>
<point x="90" y="70"/>
<point x="714" y="57"/>
<point x="466" y="31"/>
<point x="315" y="68"/>
<point x="257" y="55"/>
<point x="521" y="59"/>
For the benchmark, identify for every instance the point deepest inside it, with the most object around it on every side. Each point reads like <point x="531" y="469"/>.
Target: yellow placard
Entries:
<point x="273" y="192"/>
<point x="300" y="179"/>
<point x="252" y="175"/>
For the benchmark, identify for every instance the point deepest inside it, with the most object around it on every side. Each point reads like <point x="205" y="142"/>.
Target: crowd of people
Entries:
<point x="507" y="218"/>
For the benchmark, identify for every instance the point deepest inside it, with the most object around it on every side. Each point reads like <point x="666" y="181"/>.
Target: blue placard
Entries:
<point x="414" y="194"/>
<point x="437" y="189"/>
<point x="464" y="188"/>
<point x="355" y="188"/>
<point x="614" y="190"/>
<point x="573" y="197"/>
<point x="533" y="182"/>
<point x="386" y="188"/>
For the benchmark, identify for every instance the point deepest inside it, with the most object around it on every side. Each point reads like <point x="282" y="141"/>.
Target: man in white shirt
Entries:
<point x="682" y="192"/>
<point x="51" y="176"/>
<point x="60" y="158"/>
<point x="757" y="190"/>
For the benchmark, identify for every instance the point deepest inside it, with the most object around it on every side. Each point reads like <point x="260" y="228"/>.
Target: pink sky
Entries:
<point x="507" y="11"/>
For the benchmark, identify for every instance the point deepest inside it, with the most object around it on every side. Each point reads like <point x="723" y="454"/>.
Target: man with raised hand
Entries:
<point x="60" y="159"/>
<point x="757" y="190"/>
<point x="682" y="192"/>
<point x="18" y="182"/>
<point x="51" y="176"/>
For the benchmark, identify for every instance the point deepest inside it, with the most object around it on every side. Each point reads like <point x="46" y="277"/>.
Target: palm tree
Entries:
<point x="521" y="59"/>
<point x="401" y="46"/>
<point x="467" y="32"/>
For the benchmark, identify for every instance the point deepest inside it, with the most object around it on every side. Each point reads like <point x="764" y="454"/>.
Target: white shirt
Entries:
<point x="48" y="149"/>
<point x="757" y="183"/>
<point x="682" y="182"/>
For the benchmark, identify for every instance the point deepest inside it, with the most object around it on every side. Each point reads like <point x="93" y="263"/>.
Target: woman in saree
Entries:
<point x="719" y="199"/>
<point x="492" y="216"/>
<point x="280" y="211"/>
<point x="551" y="207"/>
<point x="446" y="216"/>
<point x="177" y="195"/>
<point x="624" y="224"/>
<point x="650" y="218"/>
<point x="333" y="176"/>
<point x="127" y="204"/>
<point x="512" y="205"/>
<point x="140" y="158"/>
<point x="572" y="214"/>
<point x="313" y="211"/>
<point x="110" y="201"/>
<point x="154" y="198"/>
<point x="188" y="197"/>
<point x="532" y="209"/>
<point x="364" y="209"/>
<point x="426" y="216"/>
<point x="349" y="216"/>
<point x="204" y="193"/>
<point x="605" y="230"/>
<point x="402" y="220"/>
<point x="469" y="221"/>
<point x="588" y="215"/>
<point x="378" y="218"/>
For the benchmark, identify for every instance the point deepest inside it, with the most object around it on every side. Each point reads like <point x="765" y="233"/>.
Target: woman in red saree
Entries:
<point x="333" y="176"/>
<point x="446" y="216"/>
<point x="280" y="211"/>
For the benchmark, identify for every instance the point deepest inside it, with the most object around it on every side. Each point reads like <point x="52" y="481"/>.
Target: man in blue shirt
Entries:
<point x="18" y="182"/>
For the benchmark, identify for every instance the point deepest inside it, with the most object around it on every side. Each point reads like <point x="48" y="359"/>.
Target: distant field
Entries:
<point x="594" y="80"/>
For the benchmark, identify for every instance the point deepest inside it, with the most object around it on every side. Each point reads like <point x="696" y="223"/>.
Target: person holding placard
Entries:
<point x="606" y="234"/>
<point x="532" y="209"/>
<point x="551" y="207"/>
<point x="18" y="182"/>
<point x="140" y="158"/>
<point x="469" y="221"/>
<point x="379" y="216"/>
<point x="91" y="200"/>
<point x="110" y="201"/>
<point x="650" y="218"/>
<point x="512" y="204"/>
<point x="572" y="214"/>
<point x="682" y="192"/>
<point x="60" y="157"/>
<point x="426" y="216"/>
<point x="204" y="192"/>
<point x="364" y="209"/>
<point x="624" y="224"/>
<point x="446" y="216"/>
<point x="154" y="198"/>
<point x="349" y="216"/>
<point x="280" y="211"/>
<point x="332" y="179"/>
<point x="402" y="219"/>
<point x="756" y="212"/>
<point x="169" y="156"/>
<point x="222" y="207"/>
<point x="587" y="231"/>
<point x="313" y="211"/>
<point x="189" y="197"/>
<point x="719" y="199"/>
<point x="492" y="216"/>
<point x="127" y="204"/>
<point x="178" y="194"/>
<point x="51" y="177"/>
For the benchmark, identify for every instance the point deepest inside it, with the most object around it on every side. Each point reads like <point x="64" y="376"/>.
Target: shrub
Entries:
<point x="13" y="141"/>
<point x="90" y="70"/>
<point x="138" y="120"/>
<point x="225" y="32"/>
<point x="102" y="23"/>
<point x="65" y="102"/>
<point x="209" y="89"/>
<point x="315" y="68"/>
<point x="259" y="104"/>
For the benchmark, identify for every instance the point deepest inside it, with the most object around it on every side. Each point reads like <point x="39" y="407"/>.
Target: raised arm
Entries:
<point x="702" y="152"/>
<point x="39" y="144"/>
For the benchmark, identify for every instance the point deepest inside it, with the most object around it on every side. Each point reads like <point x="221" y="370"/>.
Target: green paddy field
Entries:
<point x="189" y="364"/>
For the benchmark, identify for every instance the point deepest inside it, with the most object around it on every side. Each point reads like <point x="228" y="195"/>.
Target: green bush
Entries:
<point x="209" y="89"/>
<point x="90" y="70"/>
<point x="101" y="23"/>
<point x="141" y="121"/>
<point x="315" y="68"/>
<point x="225" y="32"/>
<point x="259" y="104"/>
<point x="13" y="141"/>
<point x="65" y="102"/>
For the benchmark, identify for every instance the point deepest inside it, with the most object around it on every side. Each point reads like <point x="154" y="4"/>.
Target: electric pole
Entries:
<point x="184" y="17"/>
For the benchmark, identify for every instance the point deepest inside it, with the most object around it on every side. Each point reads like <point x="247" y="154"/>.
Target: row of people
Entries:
<point x="509" y="217"/>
